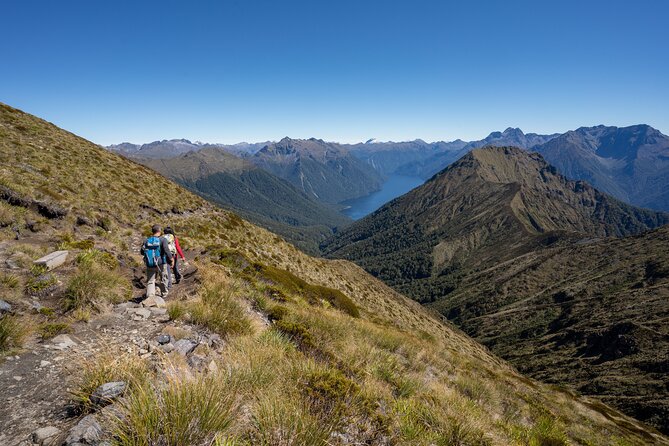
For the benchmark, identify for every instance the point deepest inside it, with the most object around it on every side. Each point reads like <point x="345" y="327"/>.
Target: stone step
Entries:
<point x="53" y="260"/>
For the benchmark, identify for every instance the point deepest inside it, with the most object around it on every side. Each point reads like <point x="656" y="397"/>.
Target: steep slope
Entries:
<point x="511" y="137"/>
<point x="593" y="315"/>
<point x="325" y="171"/>
<point x="630" y="163"/>
<point x="345" y="360"/>
<point x="254" y="193"/>
<point x="490" y="206"/>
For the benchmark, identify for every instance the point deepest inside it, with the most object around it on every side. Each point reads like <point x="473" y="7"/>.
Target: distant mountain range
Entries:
<point x="325" y="171"/>
<point x="263" y="198"/>
<point x="630" y="163"/>
<point x="499" y="241"/>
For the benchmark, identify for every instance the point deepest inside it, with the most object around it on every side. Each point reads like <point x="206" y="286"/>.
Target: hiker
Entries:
<point x="157" y="256"/>
<point x="175" y="249"/>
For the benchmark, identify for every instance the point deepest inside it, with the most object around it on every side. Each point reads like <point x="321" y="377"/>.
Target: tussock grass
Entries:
<point x="49" y="330"/>
<point x="105" y="367"/>
<point x="185" y="411"/>
<point x="13" y="332"/>
<point x="218" y="308"/>
<point x="95" y="285"/>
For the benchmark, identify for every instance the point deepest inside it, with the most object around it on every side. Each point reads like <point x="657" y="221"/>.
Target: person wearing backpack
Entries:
<point x="175" y="249"/>
<point x="157" y="257"/>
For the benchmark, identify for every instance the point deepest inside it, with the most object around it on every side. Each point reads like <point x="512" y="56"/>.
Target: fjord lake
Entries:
<point x="393" y="187"/>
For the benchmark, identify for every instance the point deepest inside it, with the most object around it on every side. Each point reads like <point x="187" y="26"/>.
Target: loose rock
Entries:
<point x="5" y="307"/>
<point x="106" y="393"/>
<point x="62" y="342"/>
<point x="164" y="339"/>
<point x="87" y="431"/>
<point x="154" y="301"/>
<point x="45" y="436"/>
<point x="184" y="346"/>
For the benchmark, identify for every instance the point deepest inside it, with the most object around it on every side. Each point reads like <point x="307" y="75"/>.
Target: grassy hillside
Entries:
<point x="253" y="193"/>
<point x="343" y="359"/>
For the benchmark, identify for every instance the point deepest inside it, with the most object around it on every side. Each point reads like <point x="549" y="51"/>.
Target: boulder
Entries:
<point x="108" y="392"/>
<point x="86" y="431"/>
<point x="52" y="260"/>
<point x="45" y="436"/>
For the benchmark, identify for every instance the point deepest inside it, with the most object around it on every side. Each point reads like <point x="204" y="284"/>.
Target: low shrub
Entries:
<point x="297" y="332"/>
<point x="277" y="312"/>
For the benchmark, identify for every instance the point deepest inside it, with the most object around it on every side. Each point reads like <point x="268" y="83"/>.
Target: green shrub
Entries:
<point x="277" y="312"/>
<point x="288" y="283"/>
<point x="297" y="332"/>
<point x="76" y="244"/>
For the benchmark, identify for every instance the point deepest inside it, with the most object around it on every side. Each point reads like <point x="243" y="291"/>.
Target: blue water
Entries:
<point x="395" y="186"/>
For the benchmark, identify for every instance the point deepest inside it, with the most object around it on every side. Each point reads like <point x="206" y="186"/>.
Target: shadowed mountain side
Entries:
<point x="593" y="315"/>
<point x="257" y="195"/>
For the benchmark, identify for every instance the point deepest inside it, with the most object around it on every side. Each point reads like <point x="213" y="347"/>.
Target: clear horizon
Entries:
<point x="232" y="71"/>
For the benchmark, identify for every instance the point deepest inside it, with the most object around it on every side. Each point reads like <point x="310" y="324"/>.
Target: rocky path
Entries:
<point x="35" y="400"/>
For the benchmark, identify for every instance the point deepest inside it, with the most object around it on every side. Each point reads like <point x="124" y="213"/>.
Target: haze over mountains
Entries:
<point x="483" y="242"/>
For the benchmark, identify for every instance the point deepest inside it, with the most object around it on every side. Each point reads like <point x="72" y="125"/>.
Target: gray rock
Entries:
<point x="140" y="313"/>
<point x="5" y="307"/>
<point x="184" y="346"/>
<point x="12" y="264"/>
<point x="126" y="305"/>
<point x="52" y="260"/>
<point x="45" y="436"/>
<point x="158" y="311"/>
<point x="164" y="339"/>
<point x="154" y="301"/>
<point x="167" y="348"/>
<point x="106" y="393"/>
<point x="62" y="342"/>
<point x="87" y="431"/>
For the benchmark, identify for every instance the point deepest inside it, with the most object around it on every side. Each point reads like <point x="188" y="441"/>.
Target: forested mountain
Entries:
<point x="325" y="171"/>
<point x="630" y="163"/>
<point x="238" y="185"/>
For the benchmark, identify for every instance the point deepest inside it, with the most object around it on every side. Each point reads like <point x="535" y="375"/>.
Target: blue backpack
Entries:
<point x="152" y="256"/>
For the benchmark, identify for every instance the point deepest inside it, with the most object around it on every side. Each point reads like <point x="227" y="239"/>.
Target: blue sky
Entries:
<point x="248" y="70"/>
